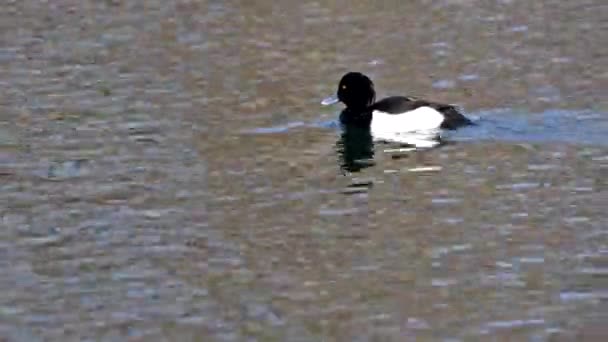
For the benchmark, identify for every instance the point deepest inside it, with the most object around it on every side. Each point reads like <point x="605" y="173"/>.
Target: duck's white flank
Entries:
<point x="419" y="119"/>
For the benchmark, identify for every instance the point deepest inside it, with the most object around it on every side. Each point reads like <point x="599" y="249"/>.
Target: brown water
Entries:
<point x="166" y="172"/>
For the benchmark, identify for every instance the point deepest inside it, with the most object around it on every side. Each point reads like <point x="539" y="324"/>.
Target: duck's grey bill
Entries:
<point x="330" y="100"/>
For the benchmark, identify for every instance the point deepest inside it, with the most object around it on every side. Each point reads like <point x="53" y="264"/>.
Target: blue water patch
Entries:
<point x="551" y="126"/>
<point x="276" y="129"/>
<point x="577" y="127"/>
<point x="284" y="128"/>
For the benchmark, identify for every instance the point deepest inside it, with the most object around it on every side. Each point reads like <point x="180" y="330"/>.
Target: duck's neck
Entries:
<point x="352" y="115"/>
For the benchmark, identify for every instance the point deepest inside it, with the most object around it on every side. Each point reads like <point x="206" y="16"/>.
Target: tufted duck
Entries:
<point x="391" y="114"/>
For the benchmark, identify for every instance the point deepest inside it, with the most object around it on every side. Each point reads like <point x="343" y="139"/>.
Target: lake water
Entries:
<point x="167" y="172"/>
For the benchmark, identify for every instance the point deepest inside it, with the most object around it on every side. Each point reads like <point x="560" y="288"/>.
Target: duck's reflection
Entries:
<point x="355" y="148"/>
<point x="356" y="145"/>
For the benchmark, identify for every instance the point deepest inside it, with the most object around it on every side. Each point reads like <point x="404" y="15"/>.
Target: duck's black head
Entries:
<point x="356" y="91"/>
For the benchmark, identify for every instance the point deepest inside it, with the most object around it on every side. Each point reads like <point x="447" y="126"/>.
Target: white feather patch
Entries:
<point x="419" y="119"/>
<point x="419" y="127"/>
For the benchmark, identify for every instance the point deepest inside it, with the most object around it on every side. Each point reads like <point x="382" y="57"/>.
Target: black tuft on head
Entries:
<point x="356" y="91"/>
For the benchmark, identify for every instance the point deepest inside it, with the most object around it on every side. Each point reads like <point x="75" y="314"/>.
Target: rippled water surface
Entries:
<point x="167" y="172"/>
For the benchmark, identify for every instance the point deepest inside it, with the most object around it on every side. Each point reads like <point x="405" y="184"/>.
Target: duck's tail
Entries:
<point x="453" y="117"/>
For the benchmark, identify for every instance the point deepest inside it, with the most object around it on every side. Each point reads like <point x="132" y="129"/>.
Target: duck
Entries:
<point x="391" y="114"/>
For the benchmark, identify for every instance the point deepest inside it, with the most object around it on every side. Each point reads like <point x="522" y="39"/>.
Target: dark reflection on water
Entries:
<point x="355" y="148"/>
